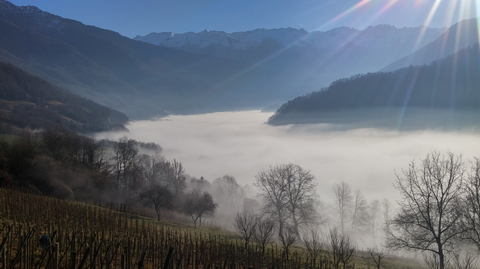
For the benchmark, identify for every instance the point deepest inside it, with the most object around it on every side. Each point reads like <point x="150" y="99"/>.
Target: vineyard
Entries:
<point x="41" y="232"/>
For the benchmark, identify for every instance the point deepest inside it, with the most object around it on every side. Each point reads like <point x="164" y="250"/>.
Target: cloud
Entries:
<point x="241" y="144"/>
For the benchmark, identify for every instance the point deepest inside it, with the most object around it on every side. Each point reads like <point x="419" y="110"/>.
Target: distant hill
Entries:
<point x="137" y="78"/>
<point x="317" y="57"/>
<point x="455" y="38"/>
<point x="27" y="101"/>
<point x="134" y="77"/>
<point x="444" y="93"/>
<point x="144" y="80"/>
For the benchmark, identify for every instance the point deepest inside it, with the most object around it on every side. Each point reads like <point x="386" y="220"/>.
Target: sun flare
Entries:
<point x="448" y="12"/>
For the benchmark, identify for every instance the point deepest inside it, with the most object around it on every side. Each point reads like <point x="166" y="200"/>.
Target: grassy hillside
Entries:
<point x="104" y="236"/>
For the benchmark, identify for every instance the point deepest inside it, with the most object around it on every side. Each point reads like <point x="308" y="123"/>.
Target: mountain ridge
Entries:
<point x="145" y="80"/>
<point x="323" y="56"/>
<point x="455" y="38"/>
<point x="286" y="36"/>
<point x="134" y="77"/>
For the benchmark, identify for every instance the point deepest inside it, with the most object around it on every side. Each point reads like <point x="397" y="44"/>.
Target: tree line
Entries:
<point x="427" y="86"/>
<point x="292" y="213"/>
<point x="439" y="213"/>
<point x="63" y="164"/>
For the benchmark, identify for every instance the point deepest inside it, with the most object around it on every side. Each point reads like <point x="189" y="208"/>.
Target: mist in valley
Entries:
<point x="241" y="144"/>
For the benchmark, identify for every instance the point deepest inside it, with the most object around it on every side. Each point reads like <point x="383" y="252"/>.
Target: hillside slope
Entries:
<point x="134" y="77"/>
<point x="437" y="95"/>
<point x="30" y="102"/>
<point x="455" y="38"/>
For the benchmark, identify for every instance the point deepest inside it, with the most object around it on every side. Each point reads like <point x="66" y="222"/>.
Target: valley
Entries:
<point x="242" y="144"/>
<point x="314" y="144"/>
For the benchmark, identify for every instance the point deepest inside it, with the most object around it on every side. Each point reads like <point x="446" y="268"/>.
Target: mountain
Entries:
<point x="445" y="93"/>
<point x="455" y="38"/>
<point x="374" y="36"/>
<point x="319" y="56"/>
<point x="27" y="101"/>
<point x="239" y="40"/>
<point x="139" y="79"/>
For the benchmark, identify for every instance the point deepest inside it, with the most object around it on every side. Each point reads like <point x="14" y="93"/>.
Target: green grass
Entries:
<point x="8" y="138"/>
<point x="363" y="260"/>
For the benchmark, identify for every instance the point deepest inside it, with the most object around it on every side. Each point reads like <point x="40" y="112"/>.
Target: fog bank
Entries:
<point x="241" y="144"/>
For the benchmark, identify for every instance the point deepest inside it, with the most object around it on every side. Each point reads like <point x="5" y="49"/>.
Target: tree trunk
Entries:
<point x="295" y="224"/>
<point x="194" y="221"/>
<point x="441" y="257"/>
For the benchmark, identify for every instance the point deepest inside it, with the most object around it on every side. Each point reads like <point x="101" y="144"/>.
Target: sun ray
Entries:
<point x="477" y="13"/>
<point x="382" y="11"/>
<point x="407" y="99"/>
<point x="427" y="22"/>
<point x="432" y="12"/>
<point x="387" y="6"/>
<point x="348" y="11"/>
<point x="417" y="3"/>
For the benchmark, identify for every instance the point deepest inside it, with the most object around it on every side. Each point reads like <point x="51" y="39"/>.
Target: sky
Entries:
<point x="131" y="18"/>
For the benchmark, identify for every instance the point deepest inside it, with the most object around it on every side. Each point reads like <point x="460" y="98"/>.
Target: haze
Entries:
<point x="131" y="18"/>
<point x="241" y="144"/>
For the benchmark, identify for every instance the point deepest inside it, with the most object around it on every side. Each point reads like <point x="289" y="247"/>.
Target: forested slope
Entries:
<point x="451" y="84"/>
<point x="30" y="102"/>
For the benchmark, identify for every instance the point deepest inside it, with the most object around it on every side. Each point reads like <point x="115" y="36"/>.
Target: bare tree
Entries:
<point x="374" y="210"/>
<point x="301" y="196"/>
<point x="245" y="223"/>
<point x="159" y="196"/>
<point x="126" y="163"/>
<point x="360" y="216"/>
<point x="274" y="194"/>
<point x="314" y="245"/>
<point x="386" y="205"/>
<point x="153" y="168"/>
<point x="287" y="237"/>
<point x="228" y="193"/>
<point x="197" y="205"/>
<point x="428" y="219"/>
<point x="289" y="195"/>
<point x="341" y="248"/>
<point x="264" y="231"/>
<point x="377" y="255"/>
<point x="432" y="261"/>
<point x="471" y="206"/>
<point x="175" y="177"/>
<point x="343" y="203"/>
<point x="334" y="242"/>
<point x="464" y="260"/>
<point x="347" y="250"/>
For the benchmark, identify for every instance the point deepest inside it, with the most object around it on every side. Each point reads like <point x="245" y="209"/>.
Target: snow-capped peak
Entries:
<point x="238" y="40"/>
<point x="372" y="37"/>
